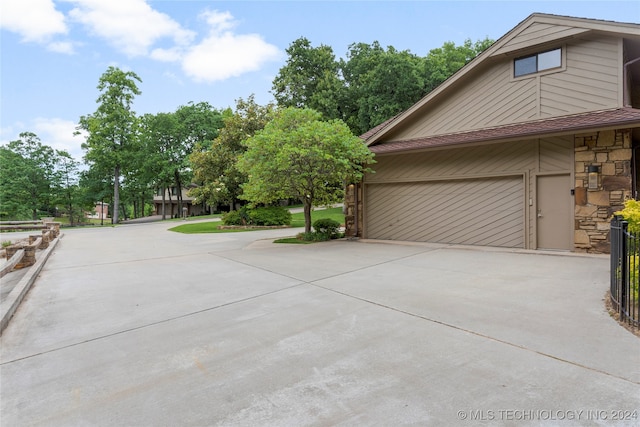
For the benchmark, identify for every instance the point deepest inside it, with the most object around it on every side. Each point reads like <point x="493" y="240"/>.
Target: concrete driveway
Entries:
<point x="138" y="326"/>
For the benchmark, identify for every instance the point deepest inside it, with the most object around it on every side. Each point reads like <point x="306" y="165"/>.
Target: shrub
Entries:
<point x="272" y="215"/>
<point x="327" y="227"/>
<point x="631" y="214"/>
<point x="239" y="217"/>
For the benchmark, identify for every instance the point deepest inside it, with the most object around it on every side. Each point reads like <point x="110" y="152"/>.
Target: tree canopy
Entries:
<point x="214" y="168"/>
<point x="297" y="155"/>
<point x="371" y="85"/>
<point x="112" y="128"/>
<point x="309" y="79"/>
<point x="35" y="179"/>
<point x="130" y="156"/>
<point x="380" y="83"/>
<point x="169" y="139"/>
<point x="27" y="178"/>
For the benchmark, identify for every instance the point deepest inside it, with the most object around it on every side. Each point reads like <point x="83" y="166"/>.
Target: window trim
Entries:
<point x="561" y="67"/>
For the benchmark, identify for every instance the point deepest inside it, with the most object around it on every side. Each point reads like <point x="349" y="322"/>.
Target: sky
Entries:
<point x="53" y="52"/>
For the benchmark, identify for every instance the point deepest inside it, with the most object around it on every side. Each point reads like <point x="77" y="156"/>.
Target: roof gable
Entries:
<point x="534" y="32"/>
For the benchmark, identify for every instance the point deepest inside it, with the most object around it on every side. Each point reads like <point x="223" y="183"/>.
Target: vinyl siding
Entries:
<point x="475" y="161"/>
<point x="589" y="81"/>
<point x="402" y="175"/>
<point x="556" y="155"/>
<point x="536" y="34"/>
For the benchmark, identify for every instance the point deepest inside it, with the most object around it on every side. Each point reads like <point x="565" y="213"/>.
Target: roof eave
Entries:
<point x="624" y="123"/>
<point x="595" y="25"/>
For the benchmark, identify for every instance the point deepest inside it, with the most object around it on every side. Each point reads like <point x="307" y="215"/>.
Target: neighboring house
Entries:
<point x="531" y="145"/>
<point x="171" y="203"/>
<point x="101" y="211"/>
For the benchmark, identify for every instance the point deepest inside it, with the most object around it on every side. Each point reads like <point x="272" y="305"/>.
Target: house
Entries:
<point x="171" y="208"/>
<point x="101" y="211"/>
<point x="533" y="144"/>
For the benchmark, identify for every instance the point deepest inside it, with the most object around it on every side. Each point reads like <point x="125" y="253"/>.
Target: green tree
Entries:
<point x="27" y="178"/>
<point x="197" y="125"/>
<point x="95" y="186"/>
<point x="369" y="86"/>
<point x="379" y="83"/>
<point x="299" y="156"/>
<point x="67" y="170"/>
<point x="112" y="128"/>
<point x="158" y="136"/>
<point x="167" y="141"/>
<point x="441" y="63"/>
<point x="309" y="79"/>
<point x="215" y="169"/>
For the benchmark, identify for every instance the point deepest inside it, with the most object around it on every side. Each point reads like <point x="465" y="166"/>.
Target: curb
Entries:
<point x="9" y="306"/>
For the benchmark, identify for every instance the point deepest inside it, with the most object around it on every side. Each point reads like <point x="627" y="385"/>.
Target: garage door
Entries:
<point x="486" y="212"/>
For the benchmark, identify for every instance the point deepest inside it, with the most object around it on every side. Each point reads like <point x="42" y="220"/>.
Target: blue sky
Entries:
<point x="54" y="51"/>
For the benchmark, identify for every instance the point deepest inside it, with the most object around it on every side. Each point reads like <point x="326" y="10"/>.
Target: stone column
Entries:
<point x="611" y="152"/>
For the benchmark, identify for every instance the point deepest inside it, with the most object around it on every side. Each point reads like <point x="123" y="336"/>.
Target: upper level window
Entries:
<point x="538" y="62"/>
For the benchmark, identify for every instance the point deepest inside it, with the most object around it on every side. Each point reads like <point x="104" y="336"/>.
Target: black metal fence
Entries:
<point x="625" y="274"/>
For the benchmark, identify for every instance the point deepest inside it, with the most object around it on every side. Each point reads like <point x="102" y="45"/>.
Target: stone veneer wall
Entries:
<point x="353" y="193"/>
<point x="611" y="151"/>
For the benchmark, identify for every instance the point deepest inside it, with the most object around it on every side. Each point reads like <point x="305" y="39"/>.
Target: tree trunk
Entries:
<point x="164" y="208"/>
<point x="179" y="191"/>
<point x="116" y="194"/>
<point x="70" y="211"/>
<point x="307" y="215"/>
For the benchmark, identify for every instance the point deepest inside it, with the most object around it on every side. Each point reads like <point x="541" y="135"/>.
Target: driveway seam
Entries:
<point x="459" y="328"/>
<point x="159" y="322"/>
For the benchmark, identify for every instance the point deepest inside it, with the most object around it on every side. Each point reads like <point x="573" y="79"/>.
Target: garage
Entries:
<point x="485" y="211"/>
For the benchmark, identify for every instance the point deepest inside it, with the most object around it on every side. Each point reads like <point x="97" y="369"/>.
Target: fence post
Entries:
<point x="624" y="267"/>
<point x="614" y="256"/>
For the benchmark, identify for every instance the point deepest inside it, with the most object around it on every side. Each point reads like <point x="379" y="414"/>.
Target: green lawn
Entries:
<point x="206" y="227"/>
<point x="293" y="240"/>
<point x="297" y="220"/>
<point x="194" y="218"/>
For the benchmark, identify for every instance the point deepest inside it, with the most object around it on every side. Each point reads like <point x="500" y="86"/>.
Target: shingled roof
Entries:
<point x="618" y="118"/>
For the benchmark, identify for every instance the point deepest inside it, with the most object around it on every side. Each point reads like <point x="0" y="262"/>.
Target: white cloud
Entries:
<point x="61" y="47"/>
<point x="131" y="26"/>
<point x="166" y="55"/>
<point x="55" y="132"/>
<point x="34" y="20"/>
<point x="58" y="134"/>
<point x="223" y="54"/>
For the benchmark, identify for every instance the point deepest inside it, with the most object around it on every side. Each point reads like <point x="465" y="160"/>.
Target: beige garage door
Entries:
<point x="486" y="212"/>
